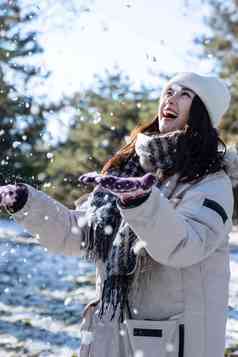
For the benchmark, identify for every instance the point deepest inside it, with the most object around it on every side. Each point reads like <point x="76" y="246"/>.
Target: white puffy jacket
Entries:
<point x="189" y="282"/>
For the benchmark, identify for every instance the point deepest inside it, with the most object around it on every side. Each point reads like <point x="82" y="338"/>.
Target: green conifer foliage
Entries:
<point x="221" y="46"/>
<point x="105" y="117"/>
<point x="22" y="119"/>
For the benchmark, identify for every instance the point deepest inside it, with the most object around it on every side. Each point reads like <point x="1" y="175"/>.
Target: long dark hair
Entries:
<point x="199" y="152"/>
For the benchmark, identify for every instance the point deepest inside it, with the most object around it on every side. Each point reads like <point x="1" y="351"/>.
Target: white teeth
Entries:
<point x="166" y="112"/>
<point x="170" y="111"/>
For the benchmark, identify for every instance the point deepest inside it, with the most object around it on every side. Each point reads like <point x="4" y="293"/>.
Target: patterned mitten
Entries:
<point x="13" y="197"/>
<point x="126" y="189"/>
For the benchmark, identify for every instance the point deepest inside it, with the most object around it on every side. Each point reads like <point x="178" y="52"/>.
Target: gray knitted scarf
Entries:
<point x="110" y="238"/>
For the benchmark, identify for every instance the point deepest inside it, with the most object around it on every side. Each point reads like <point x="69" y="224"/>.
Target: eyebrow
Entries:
<point x="188" y="89"/>
<point x="183" y="88"/>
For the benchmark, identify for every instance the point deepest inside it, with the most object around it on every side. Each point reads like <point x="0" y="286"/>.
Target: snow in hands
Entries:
<point x="126" y="189"/>
<point x="119" y="184"/>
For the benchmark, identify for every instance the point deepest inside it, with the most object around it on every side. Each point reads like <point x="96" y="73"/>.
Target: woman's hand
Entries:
<point x="126" y="188"/>
<point x="13" y="197"/>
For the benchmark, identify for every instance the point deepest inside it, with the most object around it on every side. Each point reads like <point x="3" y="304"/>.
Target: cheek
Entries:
<point x="159" y="111"/>
<point x="185" y="110"/>
<point x="182" y="120"/>
<point x="185" y="117"/>
<point x="160" y="106"/>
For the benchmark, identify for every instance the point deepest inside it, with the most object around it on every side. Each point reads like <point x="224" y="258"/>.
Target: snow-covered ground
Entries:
<point x="232" y="324"/>
<point x="42" y="297"/>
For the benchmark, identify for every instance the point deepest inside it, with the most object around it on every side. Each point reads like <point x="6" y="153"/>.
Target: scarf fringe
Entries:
<point x="115" y="295"/>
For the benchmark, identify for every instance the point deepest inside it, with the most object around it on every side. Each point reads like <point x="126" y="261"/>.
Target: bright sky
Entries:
<point x="142" y="37"/>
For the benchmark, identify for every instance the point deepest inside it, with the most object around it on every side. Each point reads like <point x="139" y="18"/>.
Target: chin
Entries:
<point x="166" y="129"/>
<point x="166" y="126"/>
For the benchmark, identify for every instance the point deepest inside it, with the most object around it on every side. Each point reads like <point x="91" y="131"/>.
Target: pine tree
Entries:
<point x="105" y="117"/>
<point x="221" y="45"/>
<point x="22" y="118"/>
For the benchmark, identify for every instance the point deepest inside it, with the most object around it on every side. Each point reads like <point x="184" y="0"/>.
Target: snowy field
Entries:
<point x="232" y="325"/>
<point x="42" y="297"/>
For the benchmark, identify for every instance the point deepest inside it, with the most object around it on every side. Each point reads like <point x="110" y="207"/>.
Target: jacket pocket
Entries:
<point x="156" y="338"/>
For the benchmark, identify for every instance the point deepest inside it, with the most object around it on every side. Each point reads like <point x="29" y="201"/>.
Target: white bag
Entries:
<point x="155" y="338"/>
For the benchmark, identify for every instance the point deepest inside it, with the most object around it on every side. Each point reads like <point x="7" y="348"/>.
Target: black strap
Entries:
<point x="217" y="208"/>
<point x="147" y="332"/>
<point x="181" y="340"/>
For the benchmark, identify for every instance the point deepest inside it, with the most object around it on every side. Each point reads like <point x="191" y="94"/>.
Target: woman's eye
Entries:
<point x="186" y="93"/>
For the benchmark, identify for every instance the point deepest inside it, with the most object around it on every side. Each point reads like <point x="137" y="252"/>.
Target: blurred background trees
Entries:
<point x="105" y="116"/>
<point x="221" y="46"/>
<point x="23" y="117"/>
<point x="96" y="124"/>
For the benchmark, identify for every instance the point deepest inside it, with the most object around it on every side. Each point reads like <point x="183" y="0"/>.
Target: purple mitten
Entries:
<point x="13" y="197"/>
<point x="126" y="188"/>
<point x="90" y="178"/>
<point x="127" y="184"/>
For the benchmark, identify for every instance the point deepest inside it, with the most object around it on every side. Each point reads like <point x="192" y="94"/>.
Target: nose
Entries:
<point x="174" y="96"/>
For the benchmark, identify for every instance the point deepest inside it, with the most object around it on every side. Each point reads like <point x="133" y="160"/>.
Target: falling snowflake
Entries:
<point x="15" y="144"/>
<point x="108" y="230"/>
<point x="47" y="184"/>
<point x="138" y="246"/>
<point x="49" y="155"/>
<point x="105" y="143"/>
<point x="122" y="332"/>
<point x="74" y="230"/>
<point x="139" y="353"/>
<point x="97" y="118"/>
<point x="41" y="176"/>
<point x="169" y="347"/>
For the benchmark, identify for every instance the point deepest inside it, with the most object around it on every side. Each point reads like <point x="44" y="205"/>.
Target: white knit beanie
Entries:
<point x="211" y="90"/>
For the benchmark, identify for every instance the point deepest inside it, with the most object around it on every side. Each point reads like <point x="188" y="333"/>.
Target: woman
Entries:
<point x="157" y="225"/>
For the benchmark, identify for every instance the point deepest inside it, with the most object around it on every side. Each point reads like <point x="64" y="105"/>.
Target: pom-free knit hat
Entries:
<point x="211" y="90"/>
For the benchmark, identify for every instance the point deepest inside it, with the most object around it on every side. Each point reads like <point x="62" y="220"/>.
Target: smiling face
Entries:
<point x="174" y="108"/>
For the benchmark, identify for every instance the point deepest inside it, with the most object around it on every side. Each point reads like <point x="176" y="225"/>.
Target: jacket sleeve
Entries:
<point x="185" y="235"/>
<point x="58" y="228"/>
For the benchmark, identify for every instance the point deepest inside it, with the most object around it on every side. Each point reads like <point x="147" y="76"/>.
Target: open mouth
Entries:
<point x="169" y="114"/>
